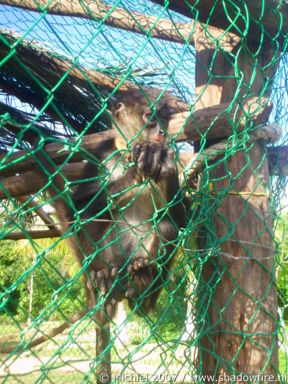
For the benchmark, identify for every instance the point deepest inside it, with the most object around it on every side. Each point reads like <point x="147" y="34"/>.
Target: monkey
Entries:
<point x="128" y="203"/>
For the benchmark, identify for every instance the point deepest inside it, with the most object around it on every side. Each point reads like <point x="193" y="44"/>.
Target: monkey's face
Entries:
<point x="137" y="121"/>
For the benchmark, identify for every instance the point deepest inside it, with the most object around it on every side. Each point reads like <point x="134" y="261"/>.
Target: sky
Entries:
<point x="100" y="48"/>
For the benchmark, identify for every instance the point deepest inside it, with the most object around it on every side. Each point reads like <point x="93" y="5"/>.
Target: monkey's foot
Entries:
<point x="137" y="264"/>
<point x="141" y="279"/>
<point x="103" y="279"/>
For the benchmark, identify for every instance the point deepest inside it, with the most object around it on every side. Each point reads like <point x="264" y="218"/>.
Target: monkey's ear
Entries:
<point x="112" y="103"/>
<point x="119" y="108"/>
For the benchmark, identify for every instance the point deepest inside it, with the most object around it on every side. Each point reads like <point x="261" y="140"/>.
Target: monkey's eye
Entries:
<point x="150" y="119"/>
<point x="161" y="132"/>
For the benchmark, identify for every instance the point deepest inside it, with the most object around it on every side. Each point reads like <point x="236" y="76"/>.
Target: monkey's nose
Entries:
<point x="157" y="138"/>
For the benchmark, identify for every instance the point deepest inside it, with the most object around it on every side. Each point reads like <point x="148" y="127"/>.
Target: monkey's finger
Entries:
<point x="156" y="164"/>
<point x="92" y="274"/>
<point x="91" y="281"/>
<point x="114" y="271"/>
<point x="145" y="263"/>
<point x="109" y="284"/>
<point x="140" y="263"/>
<point x="160" y="164"/>
<point x="102" y="286"/>
<point x="100" y="274"/>
<point x="101" y="281"/>
<point x="130" y="268"/>
<point x="130" y="292"/>
<point x="96" y="281"/>
<point x="144" y="161"/>
<point x="170" y="155"/>
<point x="135" y="265"/>
<point x="113" y="301"/>
<point x="106" y="273"/>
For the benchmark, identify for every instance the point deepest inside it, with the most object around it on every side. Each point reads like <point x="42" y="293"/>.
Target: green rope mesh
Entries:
<point x="49" y="91"/>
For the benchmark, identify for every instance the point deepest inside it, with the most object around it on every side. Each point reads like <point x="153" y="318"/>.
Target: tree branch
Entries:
<point x="40" y="212"/>
<point x="34" y="234"/>
<point x="218" y="121"/>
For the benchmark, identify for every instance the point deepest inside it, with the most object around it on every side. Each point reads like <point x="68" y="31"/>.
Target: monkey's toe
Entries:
<point x="130" y="292"/>
<point x="103" y="279"/>
<point x="114" y="271"/>
<point x="138" y="264"/>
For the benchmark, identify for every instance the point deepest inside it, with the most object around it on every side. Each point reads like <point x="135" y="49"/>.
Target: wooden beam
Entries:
<point x="19" y="186"/>
<point x="22" y="161"/>
<point x="22" y="185"/>
<point x="212" y="122"/>
<point x="264" y="17"/>
<point x="217" y="121"/>
<point x="127" y="20"/>
<point x="112" y="16"/>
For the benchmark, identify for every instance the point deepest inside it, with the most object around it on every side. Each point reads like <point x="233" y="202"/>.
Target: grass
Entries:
<point x="70" y="357"/>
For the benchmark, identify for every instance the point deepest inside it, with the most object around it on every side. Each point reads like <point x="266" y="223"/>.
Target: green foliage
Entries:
<point x="48" y="275"/>
<point x="281" y="237"/>
<point x="9" y="271"/>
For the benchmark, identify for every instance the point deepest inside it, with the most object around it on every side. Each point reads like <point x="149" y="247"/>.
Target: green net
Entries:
<point x="221" y="315"/>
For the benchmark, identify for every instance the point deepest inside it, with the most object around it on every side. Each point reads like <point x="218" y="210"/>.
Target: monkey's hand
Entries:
<point x="154" y="160"/>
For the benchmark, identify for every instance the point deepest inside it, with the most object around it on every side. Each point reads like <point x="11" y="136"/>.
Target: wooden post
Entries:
<point x="239" y="314"/>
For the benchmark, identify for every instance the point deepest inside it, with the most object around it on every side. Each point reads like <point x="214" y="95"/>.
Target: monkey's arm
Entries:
<point x="56" y="186"/>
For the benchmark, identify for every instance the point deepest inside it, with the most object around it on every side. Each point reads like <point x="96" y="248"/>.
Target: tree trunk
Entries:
<point x="237" y="309"/>
<point x="31" y="291"/>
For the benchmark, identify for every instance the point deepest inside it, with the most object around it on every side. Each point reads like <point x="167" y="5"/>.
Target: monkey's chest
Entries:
<point x="132" y="232"/>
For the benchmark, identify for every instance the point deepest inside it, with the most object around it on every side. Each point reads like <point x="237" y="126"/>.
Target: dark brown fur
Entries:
<point x="115" y="232"/>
